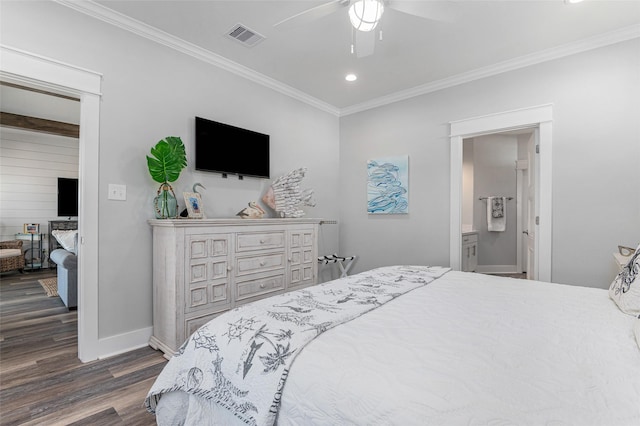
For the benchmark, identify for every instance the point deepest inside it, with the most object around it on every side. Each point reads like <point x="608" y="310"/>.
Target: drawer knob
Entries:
<point x="261" y="241"/>
<point x="262" y="263"/>
<point x="262" y="285"/>
<point x="229" y="268"/>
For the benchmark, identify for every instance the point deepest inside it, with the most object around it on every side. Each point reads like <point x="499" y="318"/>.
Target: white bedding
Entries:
<point x="467" y="349"/>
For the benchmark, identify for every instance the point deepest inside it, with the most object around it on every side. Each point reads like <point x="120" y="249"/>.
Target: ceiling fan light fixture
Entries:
<point x="365" y="14"/>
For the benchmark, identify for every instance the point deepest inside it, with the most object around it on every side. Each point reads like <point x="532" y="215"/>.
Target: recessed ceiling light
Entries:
<point x="572" y="1"/>
<point x="351" y="77"/>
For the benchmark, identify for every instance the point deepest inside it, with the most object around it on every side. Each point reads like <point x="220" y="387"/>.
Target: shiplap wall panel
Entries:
<point x="30" y="164"/>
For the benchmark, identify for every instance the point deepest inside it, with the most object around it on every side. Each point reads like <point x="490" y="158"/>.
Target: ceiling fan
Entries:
<point x="365" y="15"/>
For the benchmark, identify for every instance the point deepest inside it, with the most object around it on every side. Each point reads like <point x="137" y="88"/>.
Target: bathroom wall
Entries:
<point x="494" y="174"/>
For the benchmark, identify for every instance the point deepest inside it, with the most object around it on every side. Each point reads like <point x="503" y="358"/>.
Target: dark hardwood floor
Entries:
<point x="42" y="381"/>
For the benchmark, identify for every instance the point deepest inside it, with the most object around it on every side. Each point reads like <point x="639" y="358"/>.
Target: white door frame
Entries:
<point x="521" y="166"/>
<point x="36" y="71"/>
<point x="537" y="116"/>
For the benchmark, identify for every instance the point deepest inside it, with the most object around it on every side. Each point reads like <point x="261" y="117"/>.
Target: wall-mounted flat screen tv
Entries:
<point x="67" y="197"/>
<point x="227" y="149"/>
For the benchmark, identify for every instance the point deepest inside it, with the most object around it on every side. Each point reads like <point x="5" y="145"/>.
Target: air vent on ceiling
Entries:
<point x="244" y="35"/>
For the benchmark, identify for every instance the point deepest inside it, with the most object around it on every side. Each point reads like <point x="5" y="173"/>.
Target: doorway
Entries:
<point x="37" y="72"/>
<point x="538" y="118"/>
<point x="497" y="165"/>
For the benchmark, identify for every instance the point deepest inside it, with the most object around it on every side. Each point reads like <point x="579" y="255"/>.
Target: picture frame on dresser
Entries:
<point x="193" y="200"/>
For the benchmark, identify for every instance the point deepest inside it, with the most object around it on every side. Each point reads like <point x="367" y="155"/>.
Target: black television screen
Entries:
<point x="227" y="149"/>
<point x="67" y="197"/>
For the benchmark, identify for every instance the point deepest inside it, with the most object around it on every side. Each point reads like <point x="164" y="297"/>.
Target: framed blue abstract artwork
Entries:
<point x="388" y="185"/>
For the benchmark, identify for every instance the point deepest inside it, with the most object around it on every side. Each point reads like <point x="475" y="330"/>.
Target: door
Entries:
<point x="531" y="208"/>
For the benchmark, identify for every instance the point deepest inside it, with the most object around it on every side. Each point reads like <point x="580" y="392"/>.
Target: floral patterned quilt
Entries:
<point x="241" y="359"/>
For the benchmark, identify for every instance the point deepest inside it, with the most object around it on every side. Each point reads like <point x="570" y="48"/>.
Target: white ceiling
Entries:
<point x="416" y="55"/>
<point x="315" y="56"/>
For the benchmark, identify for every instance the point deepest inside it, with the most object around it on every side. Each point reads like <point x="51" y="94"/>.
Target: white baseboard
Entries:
<point x="121" y="343"/>
<point x="498" y="269"/>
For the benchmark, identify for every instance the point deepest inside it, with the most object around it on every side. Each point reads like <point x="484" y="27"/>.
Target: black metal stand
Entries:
<point x="33" y="262"/>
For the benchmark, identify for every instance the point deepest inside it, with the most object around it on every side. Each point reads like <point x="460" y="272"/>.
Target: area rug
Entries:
<point x="50" y="286"/>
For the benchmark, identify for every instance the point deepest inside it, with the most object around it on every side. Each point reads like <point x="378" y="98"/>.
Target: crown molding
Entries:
<point x="18" y="68"/>
<point x="127" y="23"/>
<point x="617" y="36"/>
<point x="95" y="10"/>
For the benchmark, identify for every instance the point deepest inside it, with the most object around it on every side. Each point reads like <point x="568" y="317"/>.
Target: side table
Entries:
<point x="34" y="261"/>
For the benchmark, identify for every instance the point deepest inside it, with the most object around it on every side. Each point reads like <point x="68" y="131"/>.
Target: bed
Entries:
<point x="421" y="346"/>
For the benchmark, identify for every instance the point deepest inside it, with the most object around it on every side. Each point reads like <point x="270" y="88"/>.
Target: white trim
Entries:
<point x="41" y="72"/>
<point x="509" y="120"/>
<point x="25" y="67"/>
<point x="134" y="26"/>
<point x="519" y="225"/>
<point x="543" y="203"/>
<point x="127" y="23"/>
<point x="88" y="221"/>
<point x="121" y="343"/>
<point x="537" y="116"/>
<point x="617" y="36"/>
<point x="455" y="211"/>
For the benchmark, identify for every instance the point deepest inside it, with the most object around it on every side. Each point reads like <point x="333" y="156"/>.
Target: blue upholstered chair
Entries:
<point x="67" y="276"/>
<point x="67" y="262"/>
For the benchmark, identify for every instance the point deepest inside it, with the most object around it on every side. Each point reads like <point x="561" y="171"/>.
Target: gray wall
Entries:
<point x="494" y="158"/>
<point x="596" y="148"/>
<point x="149" y="92"/>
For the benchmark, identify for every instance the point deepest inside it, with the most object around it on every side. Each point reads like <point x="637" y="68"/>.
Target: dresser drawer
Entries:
<point x="259" y="286"/>
<point x="207" y="296"/>
<point x="192" y="324"/>
<point x="260" y="263"/>
<point x="259" y="241"/>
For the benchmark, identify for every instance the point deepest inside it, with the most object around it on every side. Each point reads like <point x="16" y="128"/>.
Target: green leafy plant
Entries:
<point x="166" y="162"/>
<point x="169" y="158"/>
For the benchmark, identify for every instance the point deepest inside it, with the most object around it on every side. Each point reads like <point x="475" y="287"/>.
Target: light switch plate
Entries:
<point x="117" y="192"/>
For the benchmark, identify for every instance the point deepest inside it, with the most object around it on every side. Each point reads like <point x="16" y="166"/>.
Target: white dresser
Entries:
<point x="203" y="267"/>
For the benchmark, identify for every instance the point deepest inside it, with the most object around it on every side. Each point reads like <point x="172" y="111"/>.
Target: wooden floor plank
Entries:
<point x="41" y="378"/>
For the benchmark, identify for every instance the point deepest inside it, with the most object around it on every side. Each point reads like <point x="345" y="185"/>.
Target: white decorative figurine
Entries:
<point x="254" y="211"/>
<point x="285" y="196"/>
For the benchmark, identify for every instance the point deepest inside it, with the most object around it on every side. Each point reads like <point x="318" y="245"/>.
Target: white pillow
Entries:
<point x="66" y="238"/>
<point x="625" y="288"/>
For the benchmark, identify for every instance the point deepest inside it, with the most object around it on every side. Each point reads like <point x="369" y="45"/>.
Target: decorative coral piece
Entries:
<point x="285" y="196"/>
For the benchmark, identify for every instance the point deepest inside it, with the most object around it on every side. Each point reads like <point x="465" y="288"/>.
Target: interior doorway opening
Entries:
<point x="38" y="72"/>
<point x="539" y="118"/>
<point x="497" y="195"/>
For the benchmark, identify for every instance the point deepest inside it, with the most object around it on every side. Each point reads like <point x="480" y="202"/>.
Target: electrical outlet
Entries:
<point x="117" y="192"/>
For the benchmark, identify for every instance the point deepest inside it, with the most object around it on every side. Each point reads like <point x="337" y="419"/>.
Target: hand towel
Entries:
<point x="496" y="214"/>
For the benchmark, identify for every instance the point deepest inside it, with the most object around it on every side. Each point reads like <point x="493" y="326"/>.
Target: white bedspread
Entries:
<point x="467" y="349"/>
<point x="241" y="359"/>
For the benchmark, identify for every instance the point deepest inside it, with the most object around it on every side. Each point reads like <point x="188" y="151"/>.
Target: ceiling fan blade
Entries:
<point x="365" y="43"/>
<point x="309" y="15"/>
<point x="434" y="10"/>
